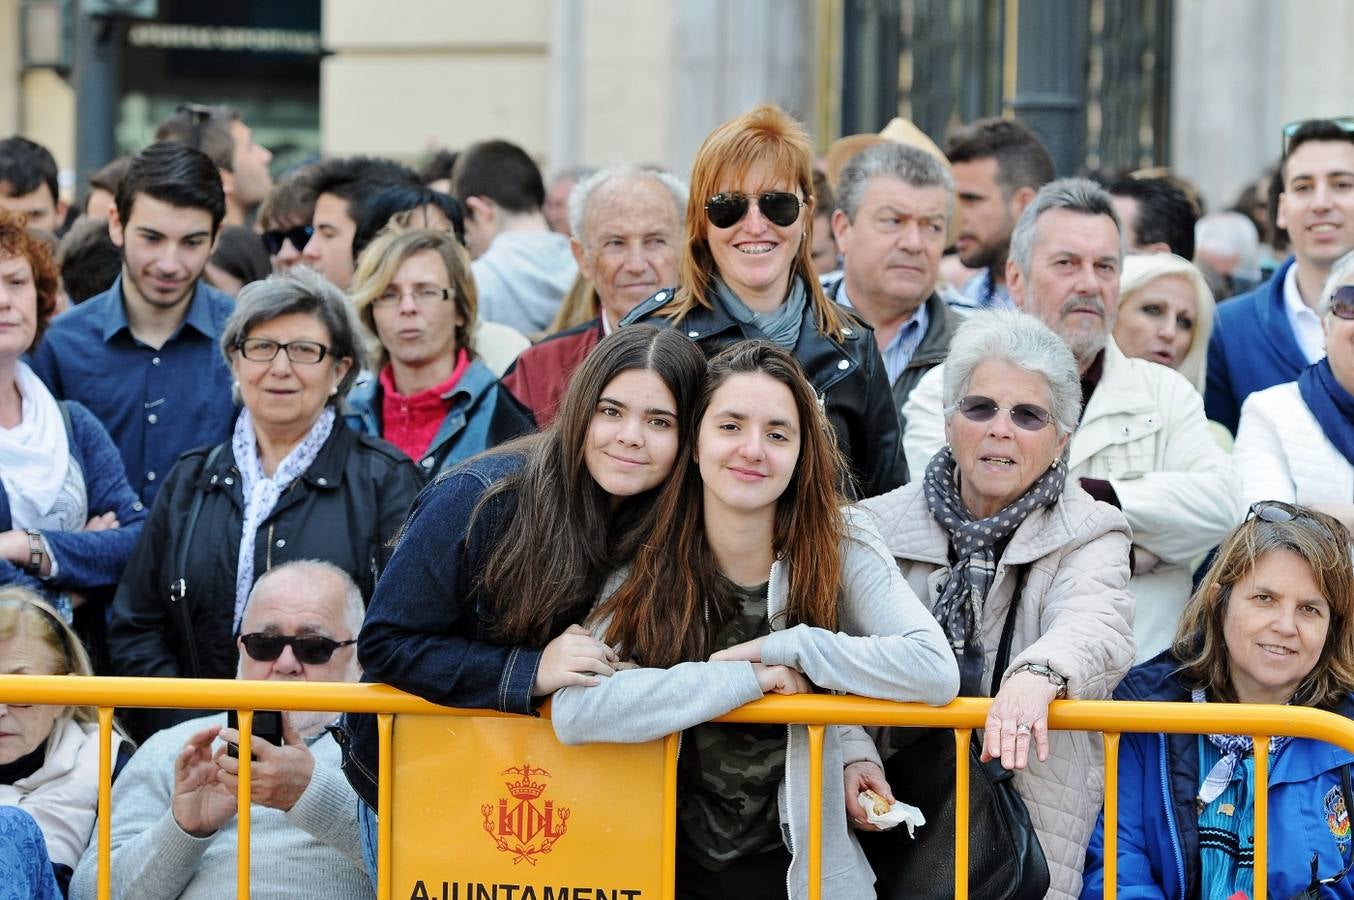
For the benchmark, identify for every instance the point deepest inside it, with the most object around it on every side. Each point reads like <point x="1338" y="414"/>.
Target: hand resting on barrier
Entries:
<point x="1022" y="701"/>
<point x="575" y="657"/>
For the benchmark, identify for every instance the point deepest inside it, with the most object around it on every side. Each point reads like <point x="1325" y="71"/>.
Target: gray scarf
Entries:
<point x="781" y="325"/>
<point x="974" y="542"/>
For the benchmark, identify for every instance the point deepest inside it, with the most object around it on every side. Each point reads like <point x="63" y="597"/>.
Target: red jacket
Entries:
<point x="540" y="376"/>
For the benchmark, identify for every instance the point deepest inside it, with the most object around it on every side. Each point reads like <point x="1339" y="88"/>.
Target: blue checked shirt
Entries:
<point x="905" y="341"/>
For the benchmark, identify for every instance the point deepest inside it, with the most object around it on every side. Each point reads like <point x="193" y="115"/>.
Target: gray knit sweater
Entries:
<point x="311" y="851"/>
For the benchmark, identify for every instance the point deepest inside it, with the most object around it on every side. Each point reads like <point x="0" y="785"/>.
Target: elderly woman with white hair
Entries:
<point x="1165" y="314"/>
<point x="1295" y="442"/>
<point x="1008" y="552"/>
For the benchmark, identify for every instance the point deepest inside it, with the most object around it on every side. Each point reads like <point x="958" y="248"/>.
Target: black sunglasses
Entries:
<point x="310" y="649"/>
<point x="299" y="235"/>
<point x="777" y="207"/>
<point x="1342" y="302"/>
<point x="1028" y="416"/>
<point x="1276" y="511"/>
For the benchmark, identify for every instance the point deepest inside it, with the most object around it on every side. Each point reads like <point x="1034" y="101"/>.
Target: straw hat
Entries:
<point x="900" y="131"/>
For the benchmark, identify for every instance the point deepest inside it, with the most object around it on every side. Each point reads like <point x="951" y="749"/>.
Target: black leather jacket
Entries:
<point x="848" y="377"/>
<point x="345" y="509"/>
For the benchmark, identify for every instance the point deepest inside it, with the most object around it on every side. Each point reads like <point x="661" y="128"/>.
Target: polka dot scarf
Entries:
<point x="974" y="541"/>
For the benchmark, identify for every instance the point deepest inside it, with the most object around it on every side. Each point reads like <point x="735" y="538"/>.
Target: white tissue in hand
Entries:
<point x="899" y="813"/>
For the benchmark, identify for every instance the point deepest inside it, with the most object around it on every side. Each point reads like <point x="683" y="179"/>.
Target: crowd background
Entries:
<point x="227" y="370"/>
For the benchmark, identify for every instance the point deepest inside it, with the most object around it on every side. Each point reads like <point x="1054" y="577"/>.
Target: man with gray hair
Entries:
<point x="1144" y="444"/>
<point x="626" y="223"/>
<point x="894" y="204"/>
<point x="173" y="829"/>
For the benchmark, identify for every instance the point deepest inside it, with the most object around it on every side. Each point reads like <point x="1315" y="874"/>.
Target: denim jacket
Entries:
<point x="463" y="432"/>
<point x="426" y="625"/>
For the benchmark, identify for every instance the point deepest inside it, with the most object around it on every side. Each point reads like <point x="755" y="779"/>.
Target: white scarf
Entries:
<point x="35" y="462"/>
<point x="261" y="493"/>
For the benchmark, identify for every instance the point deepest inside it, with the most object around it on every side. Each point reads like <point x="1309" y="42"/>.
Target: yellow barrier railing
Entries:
<point x="815" y="711"/>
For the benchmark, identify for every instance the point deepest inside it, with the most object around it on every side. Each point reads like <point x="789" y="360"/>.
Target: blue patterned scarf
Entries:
<point x="1234" y="748"/>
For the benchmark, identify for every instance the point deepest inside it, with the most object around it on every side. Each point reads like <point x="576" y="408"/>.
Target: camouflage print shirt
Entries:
<point x="727" y="775"/>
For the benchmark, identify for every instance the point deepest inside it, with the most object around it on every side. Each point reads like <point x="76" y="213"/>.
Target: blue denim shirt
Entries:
<point x="424" y="629"/>
<point x="155" y="403"/>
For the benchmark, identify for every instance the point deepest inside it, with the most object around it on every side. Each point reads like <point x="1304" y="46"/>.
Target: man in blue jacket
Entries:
<point x="1268" y="336"/>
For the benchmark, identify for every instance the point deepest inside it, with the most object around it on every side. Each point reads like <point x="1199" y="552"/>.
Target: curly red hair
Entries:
<point x="15" y="241"/>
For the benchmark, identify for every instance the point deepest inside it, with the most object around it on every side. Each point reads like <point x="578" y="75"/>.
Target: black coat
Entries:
<point x="344" y="510"/>
<point x="847" y="375"/>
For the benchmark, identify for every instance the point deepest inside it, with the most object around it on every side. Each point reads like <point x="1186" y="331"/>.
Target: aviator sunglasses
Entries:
<point x="1342" y="302"/>
<point x="1028" y="416"/>
<point x="777" y="207"/>
<point x="310" y="649"/>
<point x="299" y="235"/>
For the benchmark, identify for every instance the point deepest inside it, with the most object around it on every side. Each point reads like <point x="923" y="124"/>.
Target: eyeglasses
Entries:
<point x="1344" y="123"/>
<point x="264" y="350"/>
<point x="777" y="207"/>
<point x="1342" y="302"/>
<point x="1028" y="416"/>
<point x="309" y="649"/>
<point x="299" y="236"/>
<point x="423" y="294"/>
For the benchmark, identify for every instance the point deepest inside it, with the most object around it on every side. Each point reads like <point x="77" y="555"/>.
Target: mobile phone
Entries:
<point x="267" y="727"/>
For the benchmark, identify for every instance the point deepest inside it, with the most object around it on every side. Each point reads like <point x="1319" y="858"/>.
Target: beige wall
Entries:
<point x="48" y="115"/>
<point x="573" y="81"/>
<point x="9" y="66"/>
<point x="1243" y="68"/>
<point x="410" y="75"/>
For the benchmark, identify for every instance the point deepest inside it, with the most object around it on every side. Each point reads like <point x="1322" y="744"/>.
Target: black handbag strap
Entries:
<point x="1007" y="634"/>
<point x="178" y="588"/>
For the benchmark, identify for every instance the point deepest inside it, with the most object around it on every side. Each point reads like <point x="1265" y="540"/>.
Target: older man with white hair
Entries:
<point x="173" y="829"/>
<point x="627" y="224"/>
<point x="1143" y="444"/>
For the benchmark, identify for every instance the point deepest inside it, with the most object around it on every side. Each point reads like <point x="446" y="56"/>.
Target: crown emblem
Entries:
<point x="525" y="827"/>
<point x="524" y="788"/>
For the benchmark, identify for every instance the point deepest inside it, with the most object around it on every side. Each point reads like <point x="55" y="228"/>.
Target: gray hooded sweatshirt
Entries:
<point x="900" y="654"/>
<point x="522" y="278"/>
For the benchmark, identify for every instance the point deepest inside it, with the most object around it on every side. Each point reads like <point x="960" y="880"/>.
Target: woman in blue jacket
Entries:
<point x="68" y="517"/>
<point x="430" y="395"/>
<point x="1270" y="623"/>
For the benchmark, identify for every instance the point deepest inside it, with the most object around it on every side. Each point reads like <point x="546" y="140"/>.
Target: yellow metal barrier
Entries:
<point x="815" y="711"/>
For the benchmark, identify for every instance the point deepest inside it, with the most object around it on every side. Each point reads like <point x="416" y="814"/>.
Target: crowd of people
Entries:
<point x="910" y="422"/>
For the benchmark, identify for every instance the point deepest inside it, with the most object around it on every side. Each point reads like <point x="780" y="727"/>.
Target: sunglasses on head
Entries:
<point x="1342" y="302"/>
<point x="777" y="207"/>
<point x="309" y="649"/>
<point x="1344" y="123"/>
<point x="1028" y="416"/>
<point x="299" y="235"/>
<point x="1276" y="511"/>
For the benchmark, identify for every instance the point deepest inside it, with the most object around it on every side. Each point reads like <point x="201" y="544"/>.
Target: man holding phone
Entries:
<point x="173" y="829"/>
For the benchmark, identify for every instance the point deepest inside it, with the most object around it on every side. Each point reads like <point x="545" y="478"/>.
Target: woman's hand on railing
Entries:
<point x="201" y="803"/>
<point x="573" y="658"/>
<point x="781" y="679"/>
<point x="279" y="775"/>
<point x="860" y="776"/>
<point x="748" y="651"/>
<point x="1018" y="714"/>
